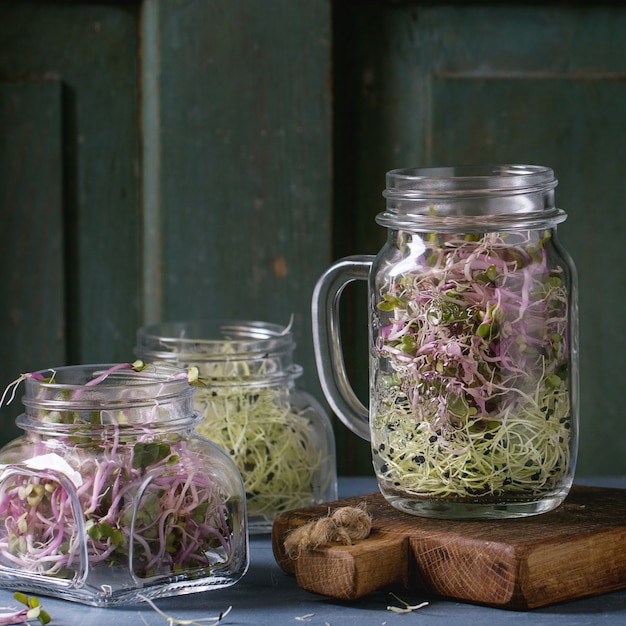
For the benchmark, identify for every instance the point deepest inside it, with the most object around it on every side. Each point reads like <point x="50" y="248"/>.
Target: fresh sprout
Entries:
<point x="270" y="430"/>
<point x="32" y="611"/>
<point x="11" y="388"/>
<point x="277" y="435"/>
<point x="473" y="395"/>
<point x="134" y="496"/>
<point x="186" y="622"/>
<point x="271" y="440"/>
<point x="406" y="607"/>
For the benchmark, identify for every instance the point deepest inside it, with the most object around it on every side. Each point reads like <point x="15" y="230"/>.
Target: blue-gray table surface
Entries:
<point x="266" y="595"/>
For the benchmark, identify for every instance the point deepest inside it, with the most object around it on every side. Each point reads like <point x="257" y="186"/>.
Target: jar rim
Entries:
<point x="72" y="387"/>
<point x="479" y="178"/>
<point x="217" y="339"/>
<point x="120" y="375"/>
<point x="471" y="198"/>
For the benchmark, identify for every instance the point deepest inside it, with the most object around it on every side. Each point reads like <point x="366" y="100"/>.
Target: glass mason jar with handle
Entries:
<point x="110" y="496"/>
<point x="473" y="344"/>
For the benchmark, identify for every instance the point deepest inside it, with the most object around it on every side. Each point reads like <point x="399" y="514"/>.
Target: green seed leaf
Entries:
<point x="458" y="406"/>
<point x="22" y="598"/>
<point x="483" y="330"/>
<point x="553" y="380"/>
<point x="139" y="365"/>
<point x="44" y="617"/>
<point x="389" y="303"/>
<point x="408" y="344"/>
<point x="146" y="454"/>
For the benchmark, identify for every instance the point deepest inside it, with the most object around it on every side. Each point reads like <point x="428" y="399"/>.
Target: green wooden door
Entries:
<point x="69" y="186"/>
<point x="160" y="160"/>
<point x="168" y="159"/>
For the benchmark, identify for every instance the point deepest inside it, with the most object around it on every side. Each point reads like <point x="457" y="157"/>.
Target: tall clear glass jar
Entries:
<point x="473" y="320"/>
<point x="278" y="435"/>
<point x="110" y="496"/>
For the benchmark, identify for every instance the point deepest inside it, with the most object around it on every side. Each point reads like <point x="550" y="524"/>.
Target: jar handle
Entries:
<point x="327" y="341"/>
<point x="71" y="524"/>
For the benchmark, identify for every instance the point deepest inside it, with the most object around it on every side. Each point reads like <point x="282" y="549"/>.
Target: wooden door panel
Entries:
<point x="69" y="189"/>
<point x="31" y="232"/>
<point x="245" y="162"/>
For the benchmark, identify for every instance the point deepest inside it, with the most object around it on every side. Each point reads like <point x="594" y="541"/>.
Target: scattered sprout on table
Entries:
<point x="406" y="607"/>
<point x="32" y="611"/>
<point x="171" y="620"/>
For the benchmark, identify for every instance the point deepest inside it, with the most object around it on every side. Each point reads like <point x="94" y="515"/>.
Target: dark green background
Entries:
<point x="172" y="159"/>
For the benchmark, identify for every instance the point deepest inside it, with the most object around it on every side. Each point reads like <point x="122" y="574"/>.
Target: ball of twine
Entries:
<point x="344" y="525"/>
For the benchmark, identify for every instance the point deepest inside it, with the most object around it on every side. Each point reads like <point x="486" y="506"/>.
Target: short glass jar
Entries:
<point x="110" y="496"/>
<point x="473" y="343"/>
<point x="278" y="435"/>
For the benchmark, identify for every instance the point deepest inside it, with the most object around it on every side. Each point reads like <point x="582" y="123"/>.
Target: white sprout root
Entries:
<point x="406" y="608"/>
<point x="202" y="621"/>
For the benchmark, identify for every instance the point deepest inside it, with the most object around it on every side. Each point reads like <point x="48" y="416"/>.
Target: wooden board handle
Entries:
<point x="349" y="572"/>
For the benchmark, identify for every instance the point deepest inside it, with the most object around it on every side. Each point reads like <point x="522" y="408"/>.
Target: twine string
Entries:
<point x="344" y="525"/>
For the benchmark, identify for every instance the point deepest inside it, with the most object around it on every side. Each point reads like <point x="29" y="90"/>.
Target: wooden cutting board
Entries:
<point x="574" y="551"/>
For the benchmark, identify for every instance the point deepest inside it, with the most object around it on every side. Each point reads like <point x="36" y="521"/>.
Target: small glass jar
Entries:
<point x="473" y="324"/>
<point x="110" y="496"/>
<point x="278" y="435"/>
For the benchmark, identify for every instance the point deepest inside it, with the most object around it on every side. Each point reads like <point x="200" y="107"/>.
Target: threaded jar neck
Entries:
<point x="224" y="351"/>
<point x="100" y="396"/>
<point x="471" y="198"/>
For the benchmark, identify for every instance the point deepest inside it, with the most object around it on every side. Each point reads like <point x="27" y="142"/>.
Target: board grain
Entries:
<point x="574" y="551"/>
